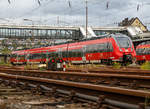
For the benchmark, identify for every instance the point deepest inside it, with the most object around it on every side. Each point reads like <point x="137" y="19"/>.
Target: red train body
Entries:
<point x="143" y="52"/>
<point x="107" y="49"/>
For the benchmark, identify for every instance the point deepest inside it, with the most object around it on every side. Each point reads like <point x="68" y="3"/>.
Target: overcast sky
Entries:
<point x="73" y="12"/>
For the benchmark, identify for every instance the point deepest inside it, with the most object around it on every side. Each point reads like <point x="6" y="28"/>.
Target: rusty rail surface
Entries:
<point x="110" y="70"/>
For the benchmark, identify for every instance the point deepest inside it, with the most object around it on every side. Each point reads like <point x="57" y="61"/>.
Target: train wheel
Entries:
<point x="109" y="62"/>
<point x="13" y="64"/>
<point x="142" y="62"/>
<point x="102" y="61"/>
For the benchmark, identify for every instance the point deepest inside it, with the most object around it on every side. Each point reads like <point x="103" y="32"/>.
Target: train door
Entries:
<point x="27" y="58"/>
<point x="84" y="54"/>
<point x="108" y="47"/>
<point x="59" y="52"/>
<point x="47" y="56"/>
<point x="17" y="58"/>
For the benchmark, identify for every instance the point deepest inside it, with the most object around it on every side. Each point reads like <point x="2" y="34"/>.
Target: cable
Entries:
<point x="35" y="9"/>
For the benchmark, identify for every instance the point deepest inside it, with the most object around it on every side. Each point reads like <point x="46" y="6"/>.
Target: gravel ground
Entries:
<point x="23" y="102"/>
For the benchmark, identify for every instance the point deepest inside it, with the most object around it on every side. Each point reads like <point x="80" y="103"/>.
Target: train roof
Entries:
<point x="145" y="43"/>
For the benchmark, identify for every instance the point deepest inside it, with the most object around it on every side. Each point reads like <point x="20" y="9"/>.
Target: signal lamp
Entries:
<point x="60" y="60"/>
<point x="53" y="60"/>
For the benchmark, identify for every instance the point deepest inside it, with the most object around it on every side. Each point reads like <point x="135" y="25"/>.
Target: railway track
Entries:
<point x="130" y="88"/>
<point x="138" y="81"/>
<point x="118" y="98"/>
<point x="110" y="70"/>
<point x="13" y="96"/>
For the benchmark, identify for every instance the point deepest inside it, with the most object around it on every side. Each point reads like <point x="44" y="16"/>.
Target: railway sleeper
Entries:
<point x="133" y="85"/>
<point x="107" y="106"/>
<point x="54" y="92"/>
<point x="71" y="97"/>
<point x="101" y="81"/>
<point x="101" y="100"/>
<point x="6" y="83"/>
<point x="114" y="82"/>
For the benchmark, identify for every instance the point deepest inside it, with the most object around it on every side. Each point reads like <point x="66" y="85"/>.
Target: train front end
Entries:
<point x="125" y="49"/>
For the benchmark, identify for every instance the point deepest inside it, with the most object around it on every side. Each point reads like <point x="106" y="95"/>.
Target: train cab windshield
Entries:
<point x="123" y="42"/>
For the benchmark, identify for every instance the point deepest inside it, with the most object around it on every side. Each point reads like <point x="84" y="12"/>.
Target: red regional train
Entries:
<point x="105" y="49"/>
<point x="143" y="52"/>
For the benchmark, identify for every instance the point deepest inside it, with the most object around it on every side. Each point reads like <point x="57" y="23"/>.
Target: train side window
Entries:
<point x="96" y="48"/>
<point x="145" y="51"/>
<point x="52" y="54"/>
<point x="36" y="56"/>
<point x="67" y="53"/>
<point x="22" y="57"/>
<point x="148" y="50"/>
<point x="105" y="47"/>
<point x="101" y="47"/>
<point x="44" y="55"/>
<point x="109" y="47"/>
<point x="49" y="55"/>
<point x="57" y="54"/>
<point x="14" y="55"/>
<point x="93" y="48"/>
<point x="79" y="53"/>
<point x="137" y="51"/>
<point x="74" y="53"/>
<point x="30" y="56"/>
<point x="88" y="49"/>
<point x="70" y="53"/>
<point x="64" y="54"/>
<point x="141" y="51"/>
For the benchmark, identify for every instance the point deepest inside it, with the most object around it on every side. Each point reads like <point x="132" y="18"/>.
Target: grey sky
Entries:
<point x="49" y="11"/>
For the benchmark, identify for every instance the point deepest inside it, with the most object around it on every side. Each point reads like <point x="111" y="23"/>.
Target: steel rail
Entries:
<point x="131" y="81"/>
<point x="95" y="99"/>
<point x="131" y="92"/>
<point x="111" y="71"/>
<point x="122" y="91"/>
<point x="142" y="77"/>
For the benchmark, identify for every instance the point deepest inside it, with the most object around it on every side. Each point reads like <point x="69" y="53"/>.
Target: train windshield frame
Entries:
<point x="123" y="42"/>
